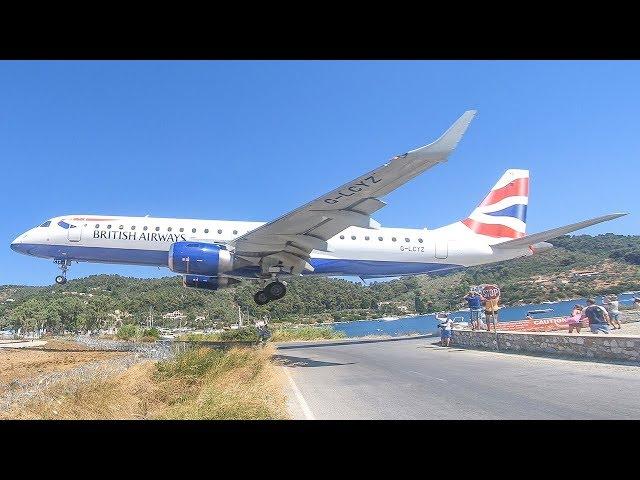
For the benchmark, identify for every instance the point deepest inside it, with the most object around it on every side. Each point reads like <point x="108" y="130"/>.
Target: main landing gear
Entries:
<point x="273" y="291"/>
<point x="64" y="265"/>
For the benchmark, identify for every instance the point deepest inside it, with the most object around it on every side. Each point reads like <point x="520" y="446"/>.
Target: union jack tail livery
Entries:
<point x="502" y="215"/>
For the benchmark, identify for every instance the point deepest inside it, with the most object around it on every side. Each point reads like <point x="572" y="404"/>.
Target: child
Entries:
<point x="575" y="320"/>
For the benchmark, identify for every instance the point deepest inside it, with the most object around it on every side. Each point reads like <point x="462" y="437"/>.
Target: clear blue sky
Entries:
<point x="252" y="140"/>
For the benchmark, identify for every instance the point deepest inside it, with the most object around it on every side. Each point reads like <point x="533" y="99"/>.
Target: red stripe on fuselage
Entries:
<point x="517" y="188"/>
<point x="492" y="230"/>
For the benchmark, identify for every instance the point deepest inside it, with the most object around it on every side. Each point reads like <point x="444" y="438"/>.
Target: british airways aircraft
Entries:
<point x="331" y="235"/>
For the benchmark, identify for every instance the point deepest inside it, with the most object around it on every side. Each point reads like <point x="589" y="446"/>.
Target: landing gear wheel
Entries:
<point x="276" y="290"/>
<point x="261" y="297"/>
<point x="63" y="264"/>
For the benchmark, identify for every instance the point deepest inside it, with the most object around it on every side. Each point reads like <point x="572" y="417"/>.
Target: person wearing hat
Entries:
<point x="612" y="305"/>
<point x="445" y="326"/>
<point x="598" y="317"/>
<point x="474" y="300"/>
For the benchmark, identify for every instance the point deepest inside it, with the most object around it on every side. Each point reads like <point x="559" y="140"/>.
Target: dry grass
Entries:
<point x="20" y="364"/>
<point x="64" y="345"/>
<point x="120" y="397"/>
<point x="242" y="383"/>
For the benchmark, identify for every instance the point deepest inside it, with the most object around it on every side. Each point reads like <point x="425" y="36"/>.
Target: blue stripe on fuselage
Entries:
<point x="330" y="266"/>
<point x="130" y="256"/>
<point x="322" y="266"/>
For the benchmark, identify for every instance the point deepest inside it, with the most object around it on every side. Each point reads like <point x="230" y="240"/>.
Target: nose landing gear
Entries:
<point x="64" y="265"/>
<point x="273" y="291"/>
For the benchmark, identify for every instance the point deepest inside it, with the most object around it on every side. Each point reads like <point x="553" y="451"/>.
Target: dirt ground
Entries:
<point x="243" y="383"/>
<point x="57" y="356"/>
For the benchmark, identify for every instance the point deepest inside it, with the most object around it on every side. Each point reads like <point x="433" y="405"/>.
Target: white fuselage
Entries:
<point x="355" y="251"/>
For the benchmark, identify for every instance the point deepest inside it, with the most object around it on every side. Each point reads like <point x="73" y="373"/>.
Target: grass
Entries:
<point x="241" y="383"/>
<point x="249" y="334"/>
<point x="305" y="333"/>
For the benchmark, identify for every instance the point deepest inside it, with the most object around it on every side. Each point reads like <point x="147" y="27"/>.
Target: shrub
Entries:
<point x="191" y="364"/>
<point x="127" y="332"/>
<point x="247" y="334"/>
<point x="151" y="332"/>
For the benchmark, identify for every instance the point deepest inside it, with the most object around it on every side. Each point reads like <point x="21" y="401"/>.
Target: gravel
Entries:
<point x="152" y="350"/>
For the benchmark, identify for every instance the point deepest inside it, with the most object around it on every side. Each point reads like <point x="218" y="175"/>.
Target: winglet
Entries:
<point x="449" y="139"/>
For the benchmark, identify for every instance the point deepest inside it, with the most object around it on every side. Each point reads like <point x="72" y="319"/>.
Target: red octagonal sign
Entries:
<point x="490" y="291"/>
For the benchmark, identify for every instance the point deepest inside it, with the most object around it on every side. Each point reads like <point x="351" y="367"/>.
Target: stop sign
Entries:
<point x="490" y="291"/>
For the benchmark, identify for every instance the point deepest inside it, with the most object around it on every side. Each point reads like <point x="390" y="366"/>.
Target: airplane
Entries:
<point x="333" y="235"/>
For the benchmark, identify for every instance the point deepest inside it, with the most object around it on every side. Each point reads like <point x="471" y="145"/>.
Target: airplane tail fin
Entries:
<point x="502" y="215"/>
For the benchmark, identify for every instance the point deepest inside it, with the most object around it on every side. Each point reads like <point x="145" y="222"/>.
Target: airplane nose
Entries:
<point x="17" y="245"/>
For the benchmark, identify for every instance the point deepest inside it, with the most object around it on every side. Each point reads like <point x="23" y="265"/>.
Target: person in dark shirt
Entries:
<point x="598" y="317"/>
<point x="474" y="300"/>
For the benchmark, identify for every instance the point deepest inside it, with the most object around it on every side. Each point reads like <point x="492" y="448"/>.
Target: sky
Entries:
<point x="252" y="140"/>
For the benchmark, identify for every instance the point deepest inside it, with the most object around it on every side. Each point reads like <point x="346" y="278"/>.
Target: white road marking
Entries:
<point x="429" y="376"/>
<point x="308" y="415"/>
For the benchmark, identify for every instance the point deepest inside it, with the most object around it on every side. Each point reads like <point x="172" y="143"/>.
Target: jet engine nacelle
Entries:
<point x="197" y="258"/>
<point x="208" y="283"/>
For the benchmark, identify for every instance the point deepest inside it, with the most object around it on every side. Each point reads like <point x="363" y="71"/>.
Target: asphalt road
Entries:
<point x="415" y="379"/>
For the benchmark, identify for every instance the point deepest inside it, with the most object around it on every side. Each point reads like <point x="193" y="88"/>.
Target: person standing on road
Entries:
<point x="612" y="305"/>
<point x="446" y="326"/>
<point x="598" y="317"/>
<point x="474" y="300"/>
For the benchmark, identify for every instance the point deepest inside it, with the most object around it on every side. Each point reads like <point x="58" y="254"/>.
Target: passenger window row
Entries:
<point x="393" y="239"/>
<point x="169" y="229"/>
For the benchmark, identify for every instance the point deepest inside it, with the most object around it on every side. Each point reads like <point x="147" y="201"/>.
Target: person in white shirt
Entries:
<point x="445" y="326"/>
<point x="612" y="305"/>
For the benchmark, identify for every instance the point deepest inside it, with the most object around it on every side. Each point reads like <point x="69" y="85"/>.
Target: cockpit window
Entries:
<point x="46" y="224"/>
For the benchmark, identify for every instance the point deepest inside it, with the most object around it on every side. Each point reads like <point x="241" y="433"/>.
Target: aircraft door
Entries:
<point x="442" y="249"/>
<point x="74" y="233"/>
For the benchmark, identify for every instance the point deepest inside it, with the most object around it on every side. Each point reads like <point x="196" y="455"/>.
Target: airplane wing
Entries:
<point x="524" y="242"/>
<point x="284" y="244"/>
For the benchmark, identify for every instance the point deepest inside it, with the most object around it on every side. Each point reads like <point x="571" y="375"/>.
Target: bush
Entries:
<point x="247" y="334"/>
<point x="127" y="332"/>
<point x="151" y="332"/>
<point x="191" y="365"/>
<point x="197" y="337"/>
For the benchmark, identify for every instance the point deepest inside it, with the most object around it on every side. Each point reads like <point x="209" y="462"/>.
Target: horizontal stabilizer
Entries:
<point x="524" y="242"/>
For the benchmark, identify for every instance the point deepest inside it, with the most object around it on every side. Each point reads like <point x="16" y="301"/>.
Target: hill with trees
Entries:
<point x="579" y="266"/>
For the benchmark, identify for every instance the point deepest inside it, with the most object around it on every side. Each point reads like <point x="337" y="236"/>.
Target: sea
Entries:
<point x="427" y="324"/>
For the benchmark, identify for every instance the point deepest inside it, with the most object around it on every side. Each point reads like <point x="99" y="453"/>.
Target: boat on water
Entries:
<point x="629" y="293"/>
<point x="540" y="310"/>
